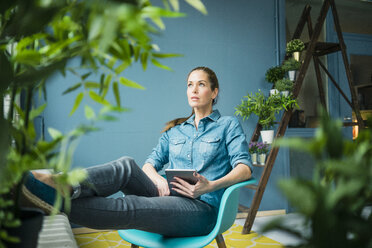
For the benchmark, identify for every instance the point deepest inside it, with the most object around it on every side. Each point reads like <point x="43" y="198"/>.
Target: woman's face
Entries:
<point x="199" y="92"/>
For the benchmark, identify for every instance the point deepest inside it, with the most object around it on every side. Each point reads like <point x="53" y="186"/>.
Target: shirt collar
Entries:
<point x="214" y="116"/>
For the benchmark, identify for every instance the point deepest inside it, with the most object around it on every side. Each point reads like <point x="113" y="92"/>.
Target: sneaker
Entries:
<point x="39" y="194"/>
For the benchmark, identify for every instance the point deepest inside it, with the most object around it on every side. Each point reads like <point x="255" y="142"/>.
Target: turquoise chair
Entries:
<point x="226" y="217"/>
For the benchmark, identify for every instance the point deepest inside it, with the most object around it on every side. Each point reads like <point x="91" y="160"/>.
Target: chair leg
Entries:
<point x="220" y="241"/>
<point x="134" y="246"/>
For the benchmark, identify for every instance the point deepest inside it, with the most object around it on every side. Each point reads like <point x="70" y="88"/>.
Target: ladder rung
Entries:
<point x="323" y="48"/>
<point x="252" y="186"/>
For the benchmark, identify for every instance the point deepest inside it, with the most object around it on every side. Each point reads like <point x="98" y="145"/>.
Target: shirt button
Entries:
<point x="188" y="155"/>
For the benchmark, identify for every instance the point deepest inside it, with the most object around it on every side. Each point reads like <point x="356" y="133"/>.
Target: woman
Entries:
<point x="213" y="145"/>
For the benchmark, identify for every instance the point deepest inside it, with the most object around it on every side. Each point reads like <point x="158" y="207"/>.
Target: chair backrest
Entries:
<point x="229" y="206"/>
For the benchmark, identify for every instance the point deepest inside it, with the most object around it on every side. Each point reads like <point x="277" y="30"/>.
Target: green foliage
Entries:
<point x="291" y="65"/>
<point x="38" y="39"/>
<point x="295" y="45"/>
<point x="333" y="203"/>
<point x="264" y="107"/>
<point x="274" y="74"/>
<point x="284" y="85"/>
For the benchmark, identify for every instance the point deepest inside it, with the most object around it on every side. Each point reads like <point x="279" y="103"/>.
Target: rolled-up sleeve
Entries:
<point x="160" y="154"/>
<point x="237" y="145"/>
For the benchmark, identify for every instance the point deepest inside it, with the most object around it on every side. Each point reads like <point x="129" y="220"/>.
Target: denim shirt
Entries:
<point x="213" y="149"/>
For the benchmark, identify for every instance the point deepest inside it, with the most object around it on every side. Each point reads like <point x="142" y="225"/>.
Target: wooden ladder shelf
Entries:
<point x="314" y="49"/>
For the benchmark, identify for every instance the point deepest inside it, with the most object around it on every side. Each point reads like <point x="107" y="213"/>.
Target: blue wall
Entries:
<point x="238" y="39"/>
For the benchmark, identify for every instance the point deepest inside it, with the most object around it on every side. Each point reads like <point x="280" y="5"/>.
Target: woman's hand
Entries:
<point x="162" y="185"/>
<point x="192" y="191"/>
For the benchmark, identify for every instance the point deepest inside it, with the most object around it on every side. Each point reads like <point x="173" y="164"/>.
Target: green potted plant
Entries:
<point x="264" y="108"/>
<point x="294" y="47"/>
<point x="253" y="151"/>
<point x="38" y="39"/>
<point x="291" y="66"/>
<point x="262" y="149"/>
<point x="284" y="86"/>
<point x="335" y="201"/>
<point x="273" y="74"/>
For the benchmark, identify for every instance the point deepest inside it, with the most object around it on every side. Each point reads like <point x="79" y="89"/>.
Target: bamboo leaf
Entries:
<point x="75" y="87"/>
<point x="92" y="85"/>
<point x="101" y="83"/>
<point x="78" y="100"/>
<point x="122" y="67"/>
<point x="19" y="111"/>
<point x="175" y="4"/>
<point x="144" y="57"/>
<point x="130" y="83"/>
<point x="157" y="12"/>
<point x="166" y="55"/>
<point x="54" y="133"/>
<point x="97" y="98"/>
<point x="89" y="113"/>
<point x="197" y="4"/>
<point x="106" y="85"/>
<point x="28" y="57"/>
<point x="107" y="118"/>
<point x="36" y="112"/>
<point x="157" y="63"/>
<point x="83" y="77"/>
<point x="115" y="88"/>
<point x="158" y="22"/>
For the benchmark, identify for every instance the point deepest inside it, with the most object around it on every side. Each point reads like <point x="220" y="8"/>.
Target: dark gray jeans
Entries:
<point x="141" y="207"/>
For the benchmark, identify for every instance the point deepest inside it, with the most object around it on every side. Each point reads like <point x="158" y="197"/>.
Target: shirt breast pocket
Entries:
<point x="209" y="146"/>
<point x="175" y="146"/>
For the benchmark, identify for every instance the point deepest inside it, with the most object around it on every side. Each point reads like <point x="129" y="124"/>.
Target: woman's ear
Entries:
<point x="215" y="93"/>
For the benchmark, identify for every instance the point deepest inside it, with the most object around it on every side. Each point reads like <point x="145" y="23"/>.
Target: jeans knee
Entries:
<point x="127" y="162"/>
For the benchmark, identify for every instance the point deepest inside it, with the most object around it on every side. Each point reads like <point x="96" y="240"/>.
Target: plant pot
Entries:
<point x="296" y="56"/>
<point x="267" y="136"/>
<point x="262" y="158"/>
<point x="285" y="93"/>
<point x="254" y="158"/>
<point x="28" y="231"/>
<point x="292" y="75"/>
<point x="274" y="92"/>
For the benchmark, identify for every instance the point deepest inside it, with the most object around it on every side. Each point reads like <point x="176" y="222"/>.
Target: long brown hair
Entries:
<point x="214" y="85"/>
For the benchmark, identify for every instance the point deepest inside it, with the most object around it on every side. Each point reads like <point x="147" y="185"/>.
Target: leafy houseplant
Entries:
<point x="295" y="47"/>
<point x="38" y="39"/>
<point x="334" y="202"/>
<point x="291" y="65"/>
<point x="252" y="148"/>
<point x="262" y="149"/>
<point x="265" y="108"/>
<point x="284" y="85"/>
<point x="275" y="73"/>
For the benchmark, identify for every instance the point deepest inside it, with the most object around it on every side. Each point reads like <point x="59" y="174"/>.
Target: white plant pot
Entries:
<point x="274" y="92"/>
<point x="262" y="158"/>
<point x="267" y="136"/>
<point x="254" y="158"/>
<point x="285" y="93"/>
<point x="292" y="75"/>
